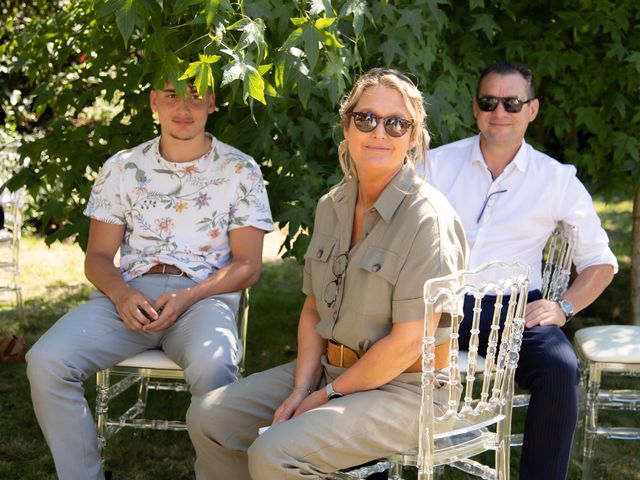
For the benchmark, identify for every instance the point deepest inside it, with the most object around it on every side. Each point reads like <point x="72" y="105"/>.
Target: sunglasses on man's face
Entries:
<point x="489" y="103"/>
<point x="394" y="126"/>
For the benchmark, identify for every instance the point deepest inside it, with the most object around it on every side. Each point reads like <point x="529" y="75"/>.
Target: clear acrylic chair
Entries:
<point x="556" y="273"/>
<point x="149" y="370"/>
<point x="10" y="235"/>
<point x="480" y="419"/>
<point x="614" y="351"/>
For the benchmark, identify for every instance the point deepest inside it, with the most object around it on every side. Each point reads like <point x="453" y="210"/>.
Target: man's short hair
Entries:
<point x="507" y="68"/>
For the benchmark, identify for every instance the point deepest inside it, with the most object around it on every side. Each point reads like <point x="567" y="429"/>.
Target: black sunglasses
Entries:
<point x="489" y="103"/>
<point x="394" y="126"/>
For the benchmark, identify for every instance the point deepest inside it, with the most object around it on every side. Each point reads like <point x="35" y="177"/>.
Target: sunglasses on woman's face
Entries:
<point x="394" y="126"/>
<point x="489" y="103"/>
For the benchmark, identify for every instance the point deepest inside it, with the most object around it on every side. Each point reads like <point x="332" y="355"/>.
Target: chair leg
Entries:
<point x="102" y="410"/>
<point x="19" y="304"/>
<point x="395" y="471"/>
<point x="590" y="420"/>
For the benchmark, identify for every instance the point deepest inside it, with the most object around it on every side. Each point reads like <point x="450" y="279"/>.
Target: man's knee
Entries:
<point x="556" y="365"/>
<point x="44" y="365"/>
<point x="208" y="374"/>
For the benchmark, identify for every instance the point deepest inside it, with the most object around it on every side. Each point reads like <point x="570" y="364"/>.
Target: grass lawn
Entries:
<point x="53" y="282"/>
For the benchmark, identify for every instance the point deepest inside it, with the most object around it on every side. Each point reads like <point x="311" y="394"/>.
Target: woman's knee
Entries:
<point x="208" y="418"/>
<point x="265" y="455"/>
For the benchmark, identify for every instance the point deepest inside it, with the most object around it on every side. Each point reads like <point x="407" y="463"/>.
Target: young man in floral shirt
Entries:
<point x="188" y="214"/>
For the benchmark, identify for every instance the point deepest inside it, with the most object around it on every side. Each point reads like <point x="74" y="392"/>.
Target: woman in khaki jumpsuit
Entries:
<point x="353" y="393"/>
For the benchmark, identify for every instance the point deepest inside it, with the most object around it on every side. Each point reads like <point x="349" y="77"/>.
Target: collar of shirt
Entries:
<point x="344" y="200"/>
<point x="386" y="205"/>
<point x="520" y="161"/>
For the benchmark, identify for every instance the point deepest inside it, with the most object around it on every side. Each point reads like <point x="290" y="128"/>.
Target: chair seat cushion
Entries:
<point x="154" y="358"/>
<point x="610" y="343"/>
<point x="463" y="361"/>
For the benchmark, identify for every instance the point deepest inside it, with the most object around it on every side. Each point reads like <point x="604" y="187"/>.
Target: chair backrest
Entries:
<point x="10" y="235"/>
<point x="242" y="318"/>
<point x="490" y="402"/>
<point x="558" y="255"/>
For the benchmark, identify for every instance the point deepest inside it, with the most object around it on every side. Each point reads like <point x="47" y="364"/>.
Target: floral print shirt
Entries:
<point x="179" y="213"/>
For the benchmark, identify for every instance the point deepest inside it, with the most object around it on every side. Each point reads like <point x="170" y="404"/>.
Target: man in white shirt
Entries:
<point x="188" y="214"/>
<point x="510" y="197"/>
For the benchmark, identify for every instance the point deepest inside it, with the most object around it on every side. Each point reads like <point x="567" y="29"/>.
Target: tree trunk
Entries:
<point x="635" y="261"/>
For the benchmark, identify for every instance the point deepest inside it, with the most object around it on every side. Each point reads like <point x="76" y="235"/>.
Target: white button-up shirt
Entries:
<point x="510" y="218"/>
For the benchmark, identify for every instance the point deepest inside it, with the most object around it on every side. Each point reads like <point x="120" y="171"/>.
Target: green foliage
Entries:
<point x="279" y="69"/>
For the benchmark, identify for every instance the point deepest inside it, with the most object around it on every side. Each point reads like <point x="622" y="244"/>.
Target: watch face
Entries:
<point x="566" y="307"/>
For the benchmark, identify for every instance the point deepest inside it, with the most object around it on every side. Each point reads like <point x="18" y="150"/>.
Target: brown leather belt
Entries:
<point x="339" y="355"/>
<point x="165" y="269"/>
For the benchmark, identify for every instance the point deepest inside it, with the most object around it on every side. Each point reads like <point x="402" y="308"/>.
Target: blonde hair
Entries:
<point x="413" y="102"/>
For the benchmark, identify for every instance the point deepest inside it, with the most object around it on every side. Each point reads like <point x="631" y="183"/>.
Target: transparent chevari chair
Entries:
<point x="614" y="351"/>
<point x="10" y="235"/>
<point x="480" y="419"/>
<point x="556" y="273"/>
<point x="149" y="370"/>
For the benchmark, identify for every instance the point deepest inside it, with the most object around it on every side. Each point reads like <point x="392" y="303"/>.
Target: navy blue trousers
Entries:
<point x="548" y="368"/>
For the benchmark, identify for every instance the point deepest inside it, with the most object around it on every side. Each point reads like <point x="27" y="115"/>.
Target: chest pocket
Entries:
<point x="320" y="247"/>
<point x="382" y="264"/>
<point x="318" y="258"/>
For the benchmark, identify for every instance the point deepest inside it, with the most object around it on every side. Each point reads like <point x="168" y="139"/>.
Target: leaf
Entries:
<point x="211" y="8"/>
<point x="324" y="22"/>
<point x="233" y="71"/>
<point x="312" y="40"/>
<point x="486" y="24"/>
<point x="181" y="5"/>
<point x="109" y="7"/>
<point x="359" y="10"/>
<point x="476" y="4"/>
<point x="293" y="39"/>
<point x="589" y="117"/>
<point x="298" y="21"/>
<point x="319" y="6"/>
<point x="390" y="48"/>
<point x="634" y="59"/>
<point x="126" y="20"/>
<point x="256" y="84"/>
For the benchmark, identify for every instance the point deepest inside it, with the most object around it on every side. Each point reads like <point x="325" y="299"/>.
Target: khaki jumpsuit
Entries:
<point x="411" y="234"/>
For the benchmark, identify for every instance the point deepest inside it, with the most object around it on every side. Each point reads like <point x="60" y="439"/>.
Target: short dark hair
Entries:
<point x="507" y="68"/>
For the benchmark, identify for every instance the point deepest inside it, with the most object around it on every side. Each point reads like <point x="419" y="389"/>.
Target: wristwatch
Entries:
<point x="331" y="393"/>
<point x="567" y="308"/>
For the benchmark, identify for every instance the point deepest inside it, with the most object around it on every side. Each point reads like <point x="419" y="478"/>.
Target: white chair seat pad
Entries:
<point x="154" y="358"/>
<point x="463" y="361"/>
<point x="610" y="343"/>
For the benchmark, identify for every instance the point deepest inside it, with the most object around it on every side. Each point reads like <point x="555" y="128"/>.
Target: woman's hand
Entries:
<point x="289" y="407"/>
<point x="317" y="398"/>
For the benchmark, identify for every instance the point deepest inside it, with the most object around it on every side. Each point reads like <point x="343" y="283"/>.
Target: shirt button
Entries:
<point x="319" y="254"/>
<point x="376" y="267"/>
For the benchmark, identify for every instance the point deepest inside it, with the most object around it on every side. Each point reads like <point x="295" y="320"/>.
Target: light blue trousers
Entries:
<point x="92" y="337"/>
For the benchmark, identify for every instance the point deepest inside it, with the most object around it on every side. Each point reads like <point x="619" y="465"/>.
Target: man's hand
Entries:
<point x="130" y="305"/>
<point x="171" y="305"/>
<point x="544" y="313"/>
